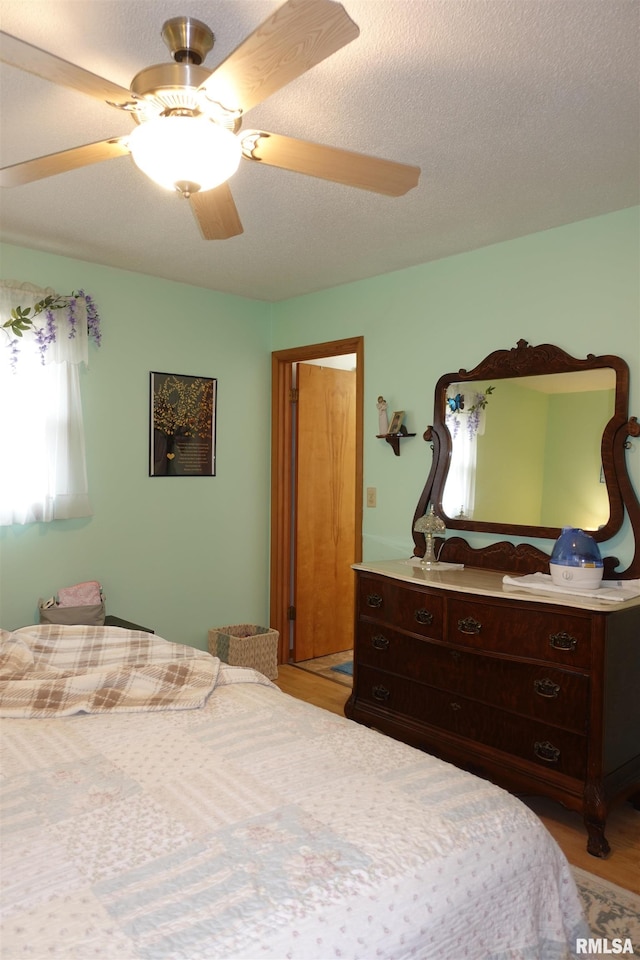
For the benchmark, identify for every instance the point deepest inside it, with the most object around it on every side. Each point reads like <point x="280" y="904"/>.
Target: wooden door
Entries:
<point x="324" y="521"/>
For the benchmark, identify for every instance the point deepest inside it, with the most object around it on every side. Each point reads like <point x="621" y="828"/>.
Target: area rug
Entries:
<point x="326" y="667"/>
<point x="346" y="668"/>
<point x="611" y="911"/>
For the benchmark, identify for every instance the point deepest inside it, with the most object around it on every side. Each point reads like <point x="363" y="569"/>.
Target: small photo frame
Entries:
<point x="396" y="421"/>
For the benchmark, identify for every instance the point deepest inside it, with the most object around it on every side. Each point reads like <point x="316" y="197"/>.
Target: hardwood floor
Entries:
<point x="623" y="825"/>
<point x="313" y="688"/>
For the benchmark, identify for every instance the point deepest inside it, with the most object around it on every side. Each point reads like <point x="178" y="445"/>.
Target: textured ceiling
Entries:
<point x="522" y="114"/>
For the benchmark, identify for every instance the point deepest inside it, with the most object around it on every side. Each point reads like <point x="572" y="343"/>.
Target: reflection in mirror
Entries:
<point x="526" y="450"/>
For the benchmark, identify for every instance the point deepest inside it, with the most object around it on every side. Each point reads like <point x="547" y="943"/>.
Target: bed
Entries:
<point x="160" y="804"/>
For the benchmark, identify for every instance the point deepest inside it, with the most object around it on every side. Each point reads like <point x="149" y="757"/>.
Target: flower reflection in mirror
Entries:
<point x="429" y="525"/>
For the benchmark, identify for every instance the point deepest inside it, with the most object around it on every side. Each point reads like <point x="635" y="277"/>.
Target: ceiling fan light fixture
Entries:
<point x="177" y="150"/>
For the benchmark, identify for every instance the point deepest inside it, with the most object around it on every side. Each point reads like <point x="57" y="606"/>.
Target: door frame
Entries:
<point x="282" y="491"/>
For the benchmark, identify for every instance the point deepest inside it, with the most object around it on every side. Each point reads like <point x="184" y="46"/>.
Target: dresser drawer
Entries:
<point x="545" y="746"/>
<point x="548" y="693"/>
<point x="553" y="636"/>
<point x="407" y="608"/>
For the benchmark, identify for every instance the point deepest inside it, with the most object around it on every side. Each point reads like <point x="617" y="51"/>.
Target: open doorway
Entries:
<point x="316" y="471"/>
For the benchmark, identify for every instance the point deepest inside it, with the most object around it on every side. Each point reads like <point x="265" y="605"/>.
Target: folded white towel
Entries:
<point x="613" y="591"/>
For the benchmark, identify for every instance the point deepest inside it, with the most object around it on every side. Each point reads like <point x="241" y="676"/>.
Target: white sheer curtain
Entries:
<point x="465" y="426"/>
<point x="43" y="472"/>
<point x="460" y="490"/>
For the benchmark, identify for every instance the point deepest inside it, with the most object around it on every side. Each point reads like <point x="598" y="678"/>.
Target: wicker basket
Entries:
<point x="246" y="645"/>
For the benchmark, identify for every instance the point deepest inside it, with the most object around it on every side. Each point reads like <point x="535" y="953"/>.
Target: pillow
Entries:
<point x="80" y="594"/>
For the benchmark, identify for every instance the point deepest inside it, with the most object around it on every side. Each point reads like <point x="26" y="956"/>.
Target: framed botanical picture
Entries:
<point x="396" y="421"/>
<point x="182" y="426"/>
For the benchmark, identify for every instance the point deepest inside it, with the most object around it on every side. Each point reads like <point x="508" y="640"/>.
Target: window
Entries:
<point x="466" y="424"/>
<point x="460" y="490"/>
<point x="43" y="466"/>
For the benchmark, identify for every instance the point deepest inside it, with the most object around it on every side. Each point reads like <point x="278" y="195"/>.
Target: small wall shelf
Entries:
<point x="395" y="438"/>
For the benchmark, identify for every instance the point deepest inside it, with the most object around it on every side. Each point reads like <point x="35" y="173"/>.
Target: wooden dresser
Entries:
<point x="539" y="693"/>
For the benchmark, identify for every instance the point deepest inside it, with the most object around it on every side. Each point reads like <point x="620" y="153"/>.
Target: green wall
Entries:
<point x="573" y="494"/>
<point x="513" y="437"/>
<point x="185" y="554"/>
<point x="575" y="286"/>
<point x="179" y="555"/>
<point x="539" y="459"/>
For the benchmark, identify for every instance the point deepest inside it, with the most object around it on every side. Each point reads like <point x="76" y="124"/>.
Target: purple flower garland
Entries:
<point x="44" y="336"/>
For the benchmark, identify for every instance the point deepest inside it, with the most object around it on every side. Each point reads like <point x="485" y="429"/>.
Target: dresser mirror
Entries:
<point x="528" y="441"/>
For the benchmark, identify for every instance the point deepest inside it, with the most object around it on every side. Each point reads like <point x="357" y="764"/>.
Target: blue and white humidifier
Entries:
<point x="576" y="560"/>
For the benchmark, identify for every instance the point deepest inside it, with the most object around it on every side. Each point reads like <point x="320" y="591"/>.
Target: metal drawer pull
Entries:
<point x="374" y="600"/>
<point x="469" y="625"/>
<point x="380" y="642"/>
<point x="546" y="688"/>
<point x="562" y="641"/>
<point x="546" y="751"/>
<point x="423" y="616"/>
<point x="455" y="706"/>
<point x="381" y="693"/>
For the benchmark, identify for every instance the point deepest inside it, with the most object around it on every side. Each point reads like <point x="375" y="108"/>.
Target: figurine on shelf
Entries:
<point x="383" y="419"/>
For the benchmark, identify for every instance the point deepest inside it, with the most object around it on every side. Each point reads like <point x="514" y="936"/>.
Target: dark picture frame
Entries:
<point x="182" y="425"/>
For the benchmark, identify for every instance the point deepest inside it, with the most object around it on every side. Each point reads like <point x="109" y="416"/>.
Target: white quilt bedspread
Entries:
<point x="262" y="827"/>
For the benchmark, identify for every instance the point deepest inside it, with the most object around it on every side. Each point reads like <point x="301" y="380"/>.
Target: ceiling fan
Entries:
<point x="184" y="105"/>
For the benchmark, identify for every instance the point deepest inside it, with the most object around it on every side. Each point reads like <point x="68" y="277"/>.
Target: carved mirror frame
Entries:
<point x="524" y="360"/>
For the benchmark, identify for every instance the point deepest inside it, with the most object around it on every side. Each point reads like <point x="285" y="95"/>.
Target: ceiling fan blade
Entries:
<point x="330" y="163"/>
<point x="54" y="163"/>
<point x="216" y="213"/>
<point x="300" y="34"/>
<point x="32" y="59"/>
